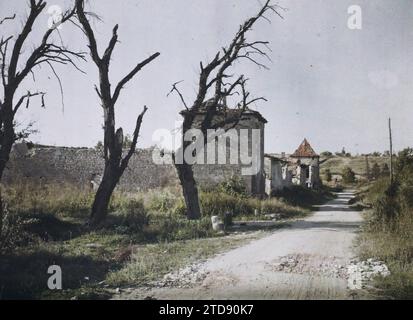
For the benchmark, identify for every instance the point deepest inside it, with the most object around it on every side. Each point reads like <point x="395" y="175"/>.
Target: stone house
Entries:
<point x="300" y="168"/>
<point x="234" y="163"/>
<point x="278" y="176"/>
<point x="307" y="163"/>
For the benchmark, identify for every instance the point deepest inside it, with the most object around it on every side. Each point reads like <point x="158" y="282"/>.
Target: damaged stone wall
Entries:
<point x="79" y="166"/>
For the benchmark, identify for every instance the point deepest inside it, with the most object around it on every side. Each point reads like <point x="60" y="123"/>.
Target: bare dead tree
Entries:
<point x="215" y="80"/>
<point x="115" y="161"/>
<point x="391" y="153"/>
<point x="48" y="53"/>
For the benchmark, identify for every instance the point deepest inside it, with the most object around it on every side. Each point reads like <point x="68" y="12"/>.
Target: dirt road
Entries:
<point x="307" y="260"/>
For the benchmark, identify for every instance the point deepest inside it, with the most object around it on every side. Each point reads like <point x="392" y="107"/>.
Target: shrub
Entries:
<point x="179" y="208"/>
<point x="348" y="175"/>
<point x="174" y="228"/>
<point x="65" y="200"/>
<point x="11" y="230"/>
<point x="375" y="171"/>
<point x="303" y="197"/>
<point x="15" y="229"/>
<point x="131" y="218"/>
<point x="213" y="204"/>
<point x="162" y="202"/>
<point x="234" y="186"/>
<point x="217" y="204"/>
<point x="326" y="154"/>
<point x="389" y="234"/>
<point x="275" y="205"/>
<point x="385" y="171"/>
<point x="328" y="175"/>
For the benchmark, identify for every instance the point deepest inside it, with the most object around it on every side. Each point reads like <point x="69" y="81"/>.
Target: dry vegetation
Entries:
<point x="146" y="235"/>
<point x="336" y="164"/>
<point x="388" y="234"/>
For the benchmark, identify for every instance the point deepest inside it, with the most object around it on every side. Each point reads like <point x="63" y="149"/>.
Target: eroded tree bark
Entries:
<point x="46" y="53"/>
<point x="187" y="179"/>
<point x="214" y="79"/>
<point x="115" y="161"/>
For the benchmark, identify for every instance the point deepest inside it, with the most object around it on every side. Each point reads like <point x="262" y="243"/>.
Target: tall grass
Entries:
<point x="388" y="234"/>
<point x="48" y="225"/>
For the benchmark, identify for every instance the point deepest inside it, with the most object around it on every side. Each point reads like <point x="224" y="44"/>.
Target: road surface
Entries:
<point x="307" y="260"/>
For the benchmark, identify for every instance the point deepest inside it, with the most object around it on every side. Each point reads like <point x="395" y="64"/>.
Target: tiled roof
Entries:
<point x="304" y="151"/>
<point x="223" y="109"/>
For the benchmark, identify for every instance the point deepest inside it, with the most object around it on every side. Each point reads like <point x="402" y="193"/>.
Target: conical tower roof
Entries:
<point x="304" y="151"/>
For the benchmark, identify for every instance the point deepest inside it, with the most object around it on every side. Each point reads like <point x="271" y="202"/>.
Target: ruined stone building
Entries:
<point x="307" y="164"/>
<point x="241" y="148"/>
<point x="300" y="168"/>
<point x="81" y="166"/>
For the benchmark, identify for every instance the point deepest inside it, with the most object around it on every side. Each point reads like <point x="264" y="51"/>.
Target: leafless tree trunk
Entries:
<point x="115" y="161"/>
<point x="368" y="176"/>
<point x="215" y="81"/>
<point x="391" y="153"/>
<point x="11" y="57"/>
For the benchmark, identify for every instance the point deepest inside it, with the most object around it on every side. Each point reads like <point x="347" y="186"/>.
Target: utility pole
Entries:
<point x="367" y="168"/>
<point x="391" y="153"/>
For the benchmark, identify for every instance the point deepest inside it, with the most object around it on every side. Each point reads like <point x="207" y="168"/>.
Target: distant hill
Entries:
<point x="336" y="164"/>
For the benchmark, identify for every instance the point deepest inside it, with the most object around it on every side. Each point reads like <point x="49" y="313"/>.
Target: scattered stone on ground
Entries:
<point x="360" y="273"/>
<point x="183" y="278"/>
<point x="273" y="216"/>
<point x="316" y="265"/>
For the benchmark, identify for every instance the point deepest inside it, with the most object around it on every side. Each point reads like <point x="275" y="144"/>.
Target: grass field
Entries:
<point x="145" y="236"/>
<point x="388" y="232"/>
<point x="336" y="164"/>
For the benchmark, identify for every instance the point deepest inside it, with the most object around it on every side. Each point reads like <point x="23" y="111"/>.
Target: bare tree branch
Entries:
<point x="132" y="148"/>
<point x="60" y="84"/>
<point x="108" y="52"/>
<point x="174" y="88"/>
<point x="216" y="73"/>
<point x="27" y="98"/>
<point x="131" y="74"/>
<point x="115" y="165"/>
<point x="10" y="60"/>
<point x="8" y="18"/>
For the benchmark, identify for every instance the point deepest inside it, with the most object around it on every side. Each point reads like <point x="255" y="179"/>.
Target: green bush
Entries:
<point x="217" y="204"/>
<point x="12" y="231"/>
<point x="63" y="200"/>
<point x="326" y="154"/>
<point x="385" y="170"/>
<point x="234" y="186"/>
<point x="303" y="197"/>
<point x="375" y="171"/>
<point x="348" y="175"/>
<point x="328" y="175"/>
<point x="179" y="208"/>
<point x="162" y="202"/>
<point x="214" y="204"/>
<point x="275" y="205"/>
<point x="132" y="217"/>
<point x="174" y="228"/>
<point x="389" y="233"/>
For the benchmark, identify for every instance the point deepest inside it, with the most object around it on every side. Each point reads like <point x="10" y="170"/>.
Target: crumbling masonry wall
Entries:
<point x="78" y="166"/>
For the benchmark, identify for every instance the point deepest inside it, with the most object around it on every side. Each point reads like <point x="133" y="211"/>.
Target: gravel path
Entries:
<point x="307" y="260"/>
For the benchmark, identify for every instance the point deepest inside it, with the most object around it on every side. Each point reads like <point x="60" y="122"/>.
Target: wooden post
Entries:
<point x="391" y="153"/>
<point x="367" y="168"/>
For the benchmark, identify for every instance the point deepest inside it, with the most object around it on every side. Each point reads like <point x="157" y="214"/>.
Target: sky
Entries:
<point x="326" y="82"/>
